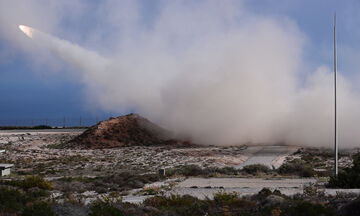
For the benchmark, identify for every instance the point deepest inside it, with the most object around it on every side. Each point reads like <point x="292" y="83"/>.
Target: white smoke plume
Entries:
<point x="216" y="75"/>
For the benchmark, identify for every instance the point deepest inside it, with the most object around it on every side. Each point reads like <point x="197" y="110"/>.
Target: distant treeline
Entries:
<point x="45" y="123"/>
<point x="37" y="127"/>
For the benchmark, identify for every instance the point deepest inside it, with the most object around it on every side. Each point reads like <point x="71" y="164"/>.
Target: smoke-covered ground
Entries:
<point x="211" y="71"/>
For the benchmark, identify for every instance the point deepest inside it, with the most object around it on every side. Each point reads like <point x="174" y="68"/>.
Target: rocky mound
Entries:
<point x="128" y="130"/>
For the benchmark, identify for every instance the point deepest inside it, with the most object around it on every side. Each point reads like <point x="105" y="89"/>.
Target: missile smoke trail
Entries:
<point x="69" y="52"/>
<point x="216" y="84"/>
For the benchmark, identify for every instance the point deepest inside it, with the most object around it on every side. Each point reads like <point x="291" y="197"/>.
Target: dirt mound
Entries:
<point x="128" y="130"/>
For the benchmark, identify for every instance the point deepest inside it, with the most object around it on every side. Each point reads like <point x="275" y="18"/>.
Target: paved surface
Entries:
<point x="202" y="187"/>
<point x="205" y="188"/>
<point x="245" y="182"/>
<point x="270" y="156"/>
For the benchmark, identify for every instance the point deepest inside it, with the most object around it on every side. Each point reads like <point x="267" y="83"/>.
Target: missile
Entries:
<point x="74" y="54"/>
<point x="28" y="31"/>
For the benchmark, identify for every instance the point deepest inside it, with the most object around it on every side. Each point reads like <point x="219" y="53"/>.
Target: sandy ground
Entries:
<point x="39" y="147"/>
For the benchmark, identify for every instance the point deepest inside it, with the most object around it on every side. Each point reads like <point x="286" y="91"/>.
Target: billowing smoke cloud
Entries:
<point x="216" y="75"/>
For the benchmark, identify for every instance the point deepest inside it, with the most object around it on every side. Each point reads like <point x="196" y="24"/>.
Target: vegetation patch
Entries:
<point x="18" y="202"/>
<point x="255" y="169"/>
<point x="195" y="170"/>
<point x="296" y="167"/>
<point x="29" y="182"/>
<point x="348" y="177"/>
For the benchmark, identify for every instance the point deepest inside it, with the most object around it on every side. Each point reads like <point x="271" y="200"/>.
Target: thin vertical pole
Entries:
<point x="335" y="104"/>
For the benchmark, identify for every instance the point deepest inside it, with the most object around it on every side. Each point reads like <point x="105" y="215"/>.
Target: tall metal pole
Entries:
<point x="335" y="104"/>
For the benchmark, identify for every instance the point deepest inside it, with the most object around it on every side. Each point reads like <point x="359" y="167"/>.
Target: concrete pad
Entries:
<point x="270" y="156"/>
<point x="245" y="182"/>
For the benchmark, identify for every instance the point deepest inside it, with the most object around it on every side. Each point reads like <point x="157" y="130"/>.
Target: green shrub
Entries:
<point x="349" y="177"/>
<point x="191" y="170"/>
<point x="212" y="171"/>
<point x="195" y="170"/>
<point x="256" y="169"/>
<point x="265" y="192"/>
<point x="171" y="201"/>
<point x="226" y="198"/>
<point x="29" y="182"/>
<point x="305" y="208"/>
<point x="38" y="209"/>
<point x="35" y="181"/>
<point x="179" y="205"/>
<point x="126" y="180"/>
<point x="14" y="200"/>
<point x="11" y="200"/>
<point x="104" y="208"/>
<point x="296" y="167"/>
<point x="229" y="202"/>
<point x="352" y="208"/>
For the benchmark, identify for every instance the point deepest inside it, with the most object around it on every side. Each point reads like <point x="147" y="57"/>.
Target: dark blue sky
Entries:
<point x="28" y="91"/>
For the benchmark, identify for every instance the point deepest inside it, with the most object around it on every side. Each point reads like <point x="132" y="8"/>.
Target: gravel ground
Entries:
<point x="39" y="153"/>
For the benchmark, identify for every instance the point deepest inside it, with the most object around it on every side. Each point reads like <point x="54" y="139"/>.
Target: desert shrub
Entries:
<point x="35" y="181"/>
<point x="256" y="169"/>
<point x="156" y="201"/>
<point x="69" y="209"/>
<point x="212" y="171"/>
<point x="305" y="208"/>
<point x="226" y="198"/>
<point x="191" y="170"/>
<point x="226" y="203"/>
<point x="179" y="205"/>
<point x="105" y="208"/>
<point x="265" y="192"/>
<point x="311" y="190"/>
<point x="29" y="182"/>
<point x="151" y="190"/>
<point x="307" y="171"/>
<point x="264" y="203"/>
<point x="11" y="200"/>
<point x="352" y="208"/>
<point x="14" y="201"/>
<point x="186" y="170"/>
<point x="36" y="193"/>
<point x="38" y="209"/>
<point x="296" y="167"/>
<point x="348" y="177"/>
<point x="195" y="170"/>
<point x="171" y="201"/>
<point x="125" y="180"/>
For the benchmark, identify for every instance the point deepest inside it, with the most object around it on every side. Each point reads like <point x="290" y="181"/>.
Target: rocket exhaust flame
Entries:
<point x="27" y="30"/>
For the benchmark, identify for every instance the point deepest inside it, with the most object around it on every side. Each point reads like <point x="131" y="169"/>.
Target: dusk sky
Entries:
<point x="35" y="83"/>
